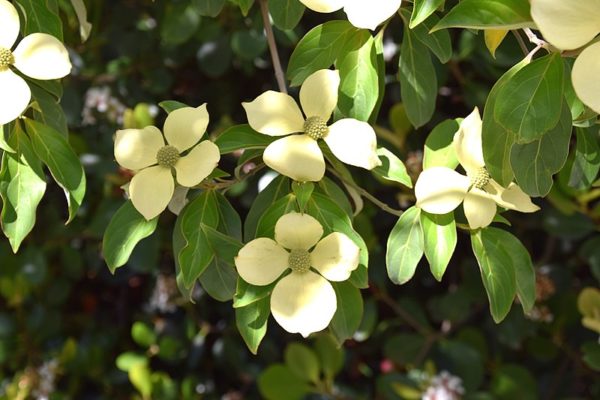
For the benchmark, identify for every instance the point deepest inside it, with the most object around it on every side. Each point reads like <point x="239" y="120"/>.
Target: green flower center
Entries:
<point x="299" y="261"/>
<point x="481" y="179"/>
<point x="316" y="128"/>
<point x="6" y="58"/>
<point x="167" y="156"/>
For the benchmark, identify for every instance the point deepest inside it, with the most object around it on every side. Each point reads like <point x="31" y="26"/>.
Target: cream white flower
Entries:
<point x="361" y="13"/>
<point x="440" y="190"/>
<point x="569" y="25"/>
<point x="302" y="301"/>
<point x="299" y="156"/>
<point x="145" y="151"/>
<point x="39" y="56"/>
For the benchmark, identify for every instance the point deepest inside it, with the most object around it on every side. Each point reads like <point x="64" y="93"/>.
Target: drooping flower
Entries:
<point x="39" y="56"/>
<point x="154" y="160"/>
<point x="299" y="156"/>
<point x="440" y="190"/>
<point x="361" y="13"/>
<point x="569" y="25"/>
<point x="303" y="301"/>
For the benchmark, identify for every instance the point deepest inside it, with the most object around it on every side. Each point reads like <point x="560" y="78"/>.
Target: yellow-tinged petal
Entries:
<point x="14" y="96"/>
<point x="324" y="6"/>
<point x="42" y="56"/>
<point x="297" y="156"/>
<point x="370" y="14"/>
<point x="567" y="24"/>
<point x="319" y="94"/>
<point x="274" y="114"/>
<point x="353" y="142"/>
<point x="511" y="197"/>
<point x="480" y="208"/>
<point x="440" y="190"/>
<point x="185" y="126"/>
<point x="586" y="71"/>
<point x="151" y="190"/>
<point x="197" y="164"/>
<point x="261" y="261"/>
<point x="136" y="148"/>
<point x="591" y="323"/>
<point x="303" y="303"/>
<point x="467" y="143"/>
<point x="297" y="231"/>
<point x="9" y="24"/>
<point x="335" y="257"/>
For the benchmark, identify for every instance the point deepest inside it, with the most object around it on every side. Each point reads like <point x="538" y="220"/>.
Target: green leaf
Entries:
<point x="529" y="104"/>
<point x="126" y="361"/>
<point x="22" y="186"/>
<point x="318" y="49"/>
<point x="438" y="42"/>
<point x="439" y="232"/>
<point x="418" y="79"/>
<point x="439" y="146"/>
<point x="497" y="272"/>
<point x="246" y="293"/>
<point x="266" y="223"/>
<point x="85" y="28"/>
<point x="230" y="226"/>
<point x="405" y="247"/>
<point x="179" y="23"/>
<point x="331" y="356"/>
<point x="391" y="168"/>
<point x="141" y="378"/>
<point x="171" y="105"/>
<point x="209" y="8"/>
<point x="242" y="137"/>
<point x="587" y="159"/>
<point x="278" y="382"/>
<point x="286" y="13"/>
<point x="278" y="188"/>
<point x="534" y="163"/>
<point x="302" y="361"/>
<point x="219" y="280"/>
<point x="422" y="9"/>
<point x="248" y="44"/>
<point x="64" y="165"/>
<point x="251" y="321"/>
<point x="359" y="79"/>
<point x="5" y="131"/>
<point x="349" y="312"/>
<point x="41" y="16"/>
<point x="126" y="229"/>
<point x="143" y="334"/>
<point x="488" y="14"/>
<point x="591" y="355"/>
<point x="303" y="191"/>
<point x="512" y="381"/>
<point x="48" y="111"/>
<point x="245" y="5"/>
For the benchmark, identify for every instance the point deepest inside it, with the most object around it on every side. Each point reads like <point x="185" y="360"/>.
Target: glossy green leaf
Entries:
<point x="41" y="16"/>
<point x="302" y="361"/>
<point x="391" y="168"/>
<point x="422" y="9"/>
<point x="286" y="13"/>
<point x="246" y="293"/>
<point x="439" y="232"/>
<point x="488" y="14"/>
<point x="241" y="137"/>
<point x="278" y="382"/>
<point x="278" y="188"/>
<point x="349" y="313"/>
<point x="303" y="191"/>
<point x="405" y="246"/>
<point x="439" y="148"/>
<point x="245" y="5"/>
<point x="438" y="41"/>
<point x="251" y="321"/>
<point x="143" y="334"/>
<point x="47" y="110"/>
<point x="331" y="356"/>
<point x="171" y="105"/>
<point x="587" y="158"/>
<point x="85" y="28"/>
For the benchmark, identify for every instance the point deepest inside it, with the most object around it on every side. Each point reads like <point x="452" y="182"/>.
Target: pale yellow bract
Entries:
<point x="299" y="156"/>
<point x="439" y="190"/>
<point x="303" y="301"/>
<point x="39" y="56"/>
<point x="366" y="14"/>
<point x="569" y="25"/>
<point x="145" y="152"/>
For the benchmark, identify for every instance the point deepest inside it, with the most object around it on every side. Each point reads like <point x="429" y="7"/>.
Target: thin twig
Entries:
<point x="402" y="313"/>
<point x="279" y="75"/>
<point x="521" y="42"/>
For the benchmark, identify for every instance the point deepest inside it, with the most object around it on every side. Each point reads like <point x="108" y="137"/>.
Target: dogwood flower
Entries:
<point x="153" y="160"/>
<point x="440" y="190"/>
<point x="569" y="25"/>
<point x="303" y="301"/>
<point x="361" y="13"/>
<point x="39" y="56"/>
<point x="299" y="156"/>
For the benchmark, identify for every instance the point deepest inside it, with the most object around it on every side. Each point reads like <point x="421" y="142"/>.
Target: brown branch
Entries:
<point x="279" y="75"/>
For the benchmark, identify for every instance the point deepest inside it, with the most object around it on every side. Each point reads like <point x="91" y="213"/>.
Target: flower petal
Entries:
<point x="324" y="6"/>
<point x="512" y="197"/>
<point x="370" y="14"/>
<point x="151" y="190"/>
<point x="136" y="148"/>
<point x="585" y="76"/>
<point x="261" y="261"/>
<point x="353" y="142"/>
<point x="297" y="231"/>
<point x="185" y="126"/>
<point x="14" y="96"/>
<point x="42" y="56"/>
<point x="297" y="156"/>
<point x="480" y="208"/>
<point x="335" y="257"/>
<point x="567" y="24"/>
<point x="303" y="303"/>
<point x="467" y="143"/>
<point x="9" y="24"/>
<point x="274" y="114"/>
<point x="440" y="190"/>
<point x="197" y="164"/>
<point x="319" y="94"/>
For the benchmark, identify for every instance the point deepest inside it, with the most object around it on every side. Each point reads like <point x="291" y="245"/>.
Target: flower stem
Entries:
<point x="279" y="75"/>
